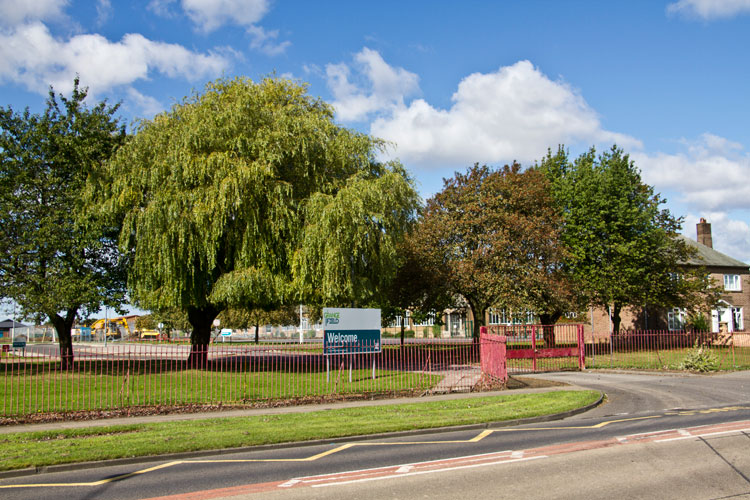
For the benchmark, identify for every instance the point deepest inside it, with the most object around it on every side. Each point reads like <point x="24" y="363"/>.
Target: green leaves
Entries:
<point x="623" y="247"/>
<point x="231" y="199"/>
<point x="491" y="235"/>
<point x="348" y="247"/>
<point x="58" y="256"/>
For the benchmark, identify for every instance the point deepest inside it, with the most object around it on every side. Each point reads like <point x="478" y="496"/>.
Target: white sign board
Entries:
<point x="351" y="331"/>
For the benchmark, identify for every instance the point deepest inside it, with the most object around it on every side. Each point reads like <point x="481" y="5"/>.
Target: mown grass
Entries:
<point x="668" y="359"/>
<point x="34" y="390"/>
<point x="35" y="449"/>
<point x="728" y="359"/>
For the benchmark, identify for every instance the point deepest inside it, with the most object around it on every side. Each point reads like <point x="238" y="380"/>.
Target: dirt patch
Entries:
<point x="140" y="411"/>
<point x="531" y="383"/>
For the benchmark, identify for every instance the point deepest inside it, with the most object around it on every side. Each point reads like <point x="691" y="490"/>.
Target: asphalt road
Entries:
<point x="637" y="405"/>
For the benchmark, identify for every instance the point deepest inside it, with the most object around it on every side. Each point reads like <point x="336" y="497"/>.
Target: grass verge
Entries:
<point x="35" y="449"/>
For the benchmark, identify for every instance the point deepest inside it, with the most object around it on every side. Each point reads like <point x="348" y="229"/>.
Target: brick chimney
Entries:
<point x="704" y="233"/>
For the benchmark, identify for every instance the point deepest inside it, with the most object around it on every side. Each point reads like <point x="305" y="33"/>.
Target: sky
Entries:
<point x="447" y="83"/>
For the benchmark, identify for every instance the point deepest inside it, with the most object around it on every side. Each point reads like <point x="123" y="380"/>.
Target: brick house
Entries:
<point x="727" y="272"/>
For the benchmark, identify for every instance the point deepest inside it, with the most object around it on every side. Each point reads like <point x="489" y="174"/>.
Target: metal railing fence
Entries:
<point x="669" y="350"/>
<point x="125" y="376"/>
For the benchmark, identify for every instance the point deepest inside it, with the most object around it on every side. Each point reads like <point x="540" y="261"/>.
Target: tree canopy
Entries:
<point x="623" y="247"/>
<point x="249" y="195"/>
<point x="491" y="235"/>
<point x="57" y="258"/>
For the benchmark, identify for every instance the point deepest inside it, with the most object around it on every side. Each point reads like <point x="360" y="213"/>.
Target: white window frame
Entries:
<point x="737" y="319"/>
<point x="732" y="283"/>
<point x="676" y="318"/>
<point x="498" y="317"/>
<point x="428" y="321"/>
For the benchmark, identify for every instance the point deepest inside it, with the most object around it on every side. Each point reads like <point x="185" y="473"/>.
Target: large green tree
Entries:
<point x="57" y="257"/>
<point x="623" y="246"/>
<point x="249" y="195"/>
<point x="492" y="236"/>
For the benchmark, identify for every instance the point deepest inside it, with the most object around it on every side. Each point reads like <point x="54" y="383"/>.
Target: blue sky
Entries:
<point x="449" y="83"/>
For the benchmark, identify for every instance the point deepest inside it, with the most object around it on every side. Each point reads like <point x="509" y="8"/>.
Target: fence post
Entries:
<point x="533" y="348"/>
<point x="581" y="348"/>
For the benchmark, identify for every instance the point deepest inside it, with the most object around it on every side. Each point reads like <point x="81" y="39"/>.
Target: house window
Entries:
<point x="523" y="318"/>
<point x="676" y="319"/>
<point x="737" y="325"/>
<point x="400" y="320"/>
<point x="428" y="321"/>
<point x="732" y="282"/>
<point x="498" y="317"/>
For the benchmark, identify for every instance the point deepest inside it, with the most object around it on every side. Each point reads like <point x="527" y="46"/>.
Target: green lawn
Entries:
<point x="668" y="359"/>
<point x="42" y="388"/>
<point x="35" y="449"/>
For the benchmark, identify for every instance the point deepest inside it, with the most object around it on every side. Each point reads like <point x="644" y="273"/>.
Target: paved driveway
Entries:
<point x="641" y="392"/>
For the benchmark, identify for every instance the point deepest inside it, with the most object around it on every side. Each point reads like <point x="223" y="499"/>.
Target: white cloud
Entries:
<point x="13" y="12"/>
<point x="31" y="56"/>
<point x="265" y="41"/>
<point x="385" y="86"/>
<point x="711" y="175"/>
<point x="144" y="105"/>
<point x="709" y="9"/>
<point x="513" y="113"/>
<point x="708" y="179"/>
<point x="729" y="236"/>
<point x="161" y="7"/>
<point x="103" y="11"/>
<point x="209" y="15"/>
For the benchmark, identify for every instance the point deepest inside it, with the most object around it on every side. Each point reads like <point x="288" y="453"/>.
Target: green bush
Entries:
<point x="699" y="359"/>
<point x="437" y="331"/>
<point x="698" y="323"/>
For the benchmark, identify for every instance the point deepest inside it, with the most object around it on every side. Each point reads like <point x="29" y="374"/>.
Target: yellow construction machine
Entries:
<point x="114" y="328"/>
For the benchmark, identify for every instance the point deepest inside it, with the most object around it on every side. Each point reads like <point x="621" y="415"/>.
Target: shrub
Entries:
<point x="699" y="359"/>
<point x="436" y="331"/>
<point x="698" y="322"/>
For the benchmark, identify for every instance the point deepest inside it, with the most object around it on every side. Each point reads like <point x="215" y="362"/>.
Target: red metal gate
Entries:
<point x="492" y="357"/>
<point x="540" y="348"/>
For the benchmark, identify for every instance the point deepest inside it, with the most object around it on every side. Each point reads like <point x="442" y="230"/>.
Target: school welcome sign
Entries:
<point x="351" y="331"/>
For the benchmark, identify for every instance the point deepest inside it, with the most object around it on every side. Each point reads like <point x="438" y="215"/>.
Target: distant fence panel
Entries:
<point x="667" y="350"/>
<point x="128" y="376"/>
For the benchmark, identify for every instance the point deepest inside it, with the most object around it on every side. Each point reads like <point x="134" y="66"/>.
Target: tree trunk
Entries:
<point x="201" y="319"/>
<point x="548" y="321"/>
<point x="478" y="322"/>
<point x="257" y="335"/>
<point x="403" y="318"/>
<point x="616" y="308"/>
<point x="63" y="326"/>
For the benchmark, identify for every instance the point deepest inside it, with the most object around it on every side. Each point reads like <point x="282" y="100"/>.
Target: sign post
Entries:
<point x="351" y="331"/>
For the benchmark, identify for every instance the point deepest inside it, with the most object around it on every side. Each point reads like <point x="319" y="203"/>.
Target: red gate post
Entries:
<point x="492" y="355"/>
<point x="533" y="348"/>
<point x="582" y="348"/>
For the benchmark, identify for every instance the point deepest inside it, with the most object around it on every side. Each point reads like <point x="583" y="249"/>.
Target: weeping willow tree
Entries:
<point x="249" y="195"/>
